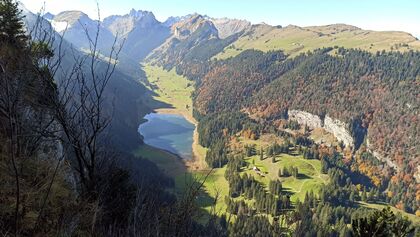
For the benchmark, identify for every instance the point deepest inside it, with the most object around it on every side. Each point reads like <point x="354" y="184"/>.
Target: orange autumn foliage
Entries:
<point x="407" y="178"/>
<point x="376" y="181"/>
<point x="400" y="206"/>
<point x="394" y="179"/>
<point x="248" y="133"/>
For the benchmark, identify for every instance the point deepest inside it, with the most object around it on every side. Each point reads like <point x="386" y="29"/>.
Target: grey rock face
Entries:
<point x="333" y="126"/>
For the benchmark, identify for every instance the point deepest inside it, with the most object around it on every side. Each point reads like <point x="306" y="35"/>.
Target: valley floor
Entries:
<point x="172" y="95"/>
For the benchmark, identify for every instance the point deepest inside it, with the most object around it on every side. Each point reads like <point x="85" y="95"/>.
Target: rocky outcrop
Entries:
<point x="123" y="25"/>
<point x="192" y="24"/>
<point x="140" y="31"/>
<point x="339" y="129"/>
<point x="227" y="27"/>
<point x="193" y="33"/>
<point x="305" y="118"/>
<point x="333" y="126"/>
<point x="172" y="20"/>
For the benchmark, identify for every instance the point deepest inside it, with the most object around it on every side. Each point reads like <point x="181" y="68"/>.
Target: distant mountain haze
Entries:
<point x="143" y="33"/>
<point x="123" y="88"/>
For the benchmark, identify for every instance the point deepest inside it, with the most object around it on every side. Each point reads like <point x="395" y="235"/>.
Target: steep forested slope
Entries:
<point x="124" y="88"/>
<point x="381" y="89"/>
<point x="50" y="125"/>
<point x="375" y="94"/>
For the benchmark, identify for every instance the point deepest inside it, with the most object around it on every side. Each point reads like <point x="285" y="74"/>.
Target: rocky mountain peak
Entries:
<point x="72" y="17"/>
<point x="175" y="19"/>
<point x="136" y="14"/>
<point x="124" y="24"/>
<point x="190" y="25"/>
<point x="227" y="27"/>
<point x="48" y="16"/>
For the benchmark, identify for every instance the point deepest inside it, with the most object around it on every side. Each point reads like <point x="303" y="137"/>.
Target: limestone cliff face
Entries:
<point x="185" y="35"/>
<point x="184" y="29"/>
<point x="140" y="31"/>
<point x="305" y="118"/>
<point x="333" y="126"/>
<point x="339" y="129"/>
<point x="227" y="27"/>
<point x="122" y="25"/>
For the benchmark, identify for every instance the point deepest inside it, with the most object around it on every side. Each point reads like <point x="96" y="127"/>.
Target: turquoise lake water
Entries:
<point x="169" y="132"/>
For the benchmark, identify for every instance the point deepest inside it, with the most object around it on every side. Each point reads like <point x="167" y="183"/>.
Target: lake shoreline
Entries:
<point x="198" y="161"/>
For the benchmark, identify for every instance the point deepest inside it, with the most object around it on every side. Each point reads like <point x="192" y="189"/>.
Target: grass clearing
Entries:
<point x="310" y="177"/>
<point x="214" y="185"/>
<point x="295" y="40"/>
<point x="170" y="88"/>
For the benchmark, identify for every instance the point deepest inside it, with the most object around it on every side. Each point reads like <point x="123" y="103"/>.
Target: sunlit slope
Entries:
<point x="294" y="40"/>
<point x="170" y="88"/>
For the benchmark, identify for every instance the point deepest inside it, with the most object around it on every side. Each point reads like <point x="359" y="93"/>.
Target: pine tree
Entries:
<point x="351" y="198"/>
<point x="371" y="196"/>
<point x="324" y="165"/>
<point x="382" y="223"/>
<point x="12" y="30"/>
<point x="364" y="196"/>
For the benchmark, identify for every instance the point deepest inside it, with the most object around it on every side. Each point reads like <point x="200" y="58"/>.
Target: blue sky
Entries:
<point x="401" y="15"/>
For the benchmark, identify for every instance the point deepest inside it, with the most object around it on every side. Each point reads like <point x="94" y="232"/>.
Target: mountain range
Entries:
<point x="186" y="42"/>
<point x="297" y="129"/>
<point x="143" y="33"/>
